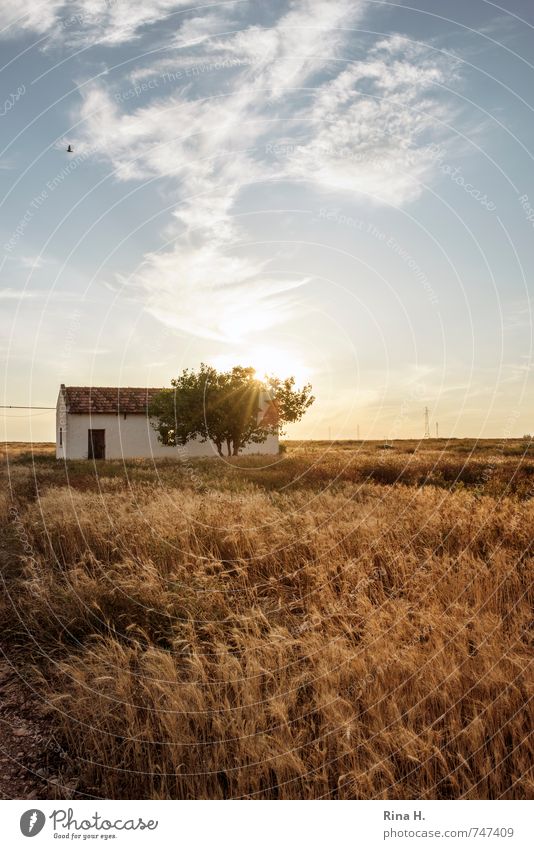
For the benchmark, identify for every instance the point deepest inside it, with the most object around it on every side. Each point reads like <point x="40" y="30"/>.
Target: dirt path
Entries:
<point x="30" y="756"/>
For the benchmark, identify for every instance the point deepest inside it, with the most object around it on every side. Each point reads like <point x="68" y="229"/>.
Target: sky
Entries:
<point x="341" y="190"/>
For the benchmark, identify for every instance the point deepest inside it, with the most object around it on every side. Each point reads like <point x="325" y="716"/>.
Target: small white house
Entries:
<point x="112" y="423"/>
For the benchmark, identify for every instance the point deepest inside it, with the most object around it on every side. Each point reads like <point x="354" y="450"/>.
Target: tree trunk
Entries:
<point x="229" y="447"/>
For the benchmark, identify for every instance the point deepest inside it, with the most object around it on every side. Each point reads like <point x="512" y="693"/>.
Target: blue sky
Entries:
<point x="339" y="190"/>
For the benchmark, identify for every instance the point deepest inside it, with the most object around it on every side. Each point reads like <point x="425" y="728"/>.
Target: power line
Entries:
<point x="15" y="407"/>
<point x="23" y="415"/>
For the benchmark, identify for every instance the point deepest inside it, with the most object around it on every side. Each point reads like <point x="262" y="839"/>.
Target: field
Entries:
<point x="348" y="621"/>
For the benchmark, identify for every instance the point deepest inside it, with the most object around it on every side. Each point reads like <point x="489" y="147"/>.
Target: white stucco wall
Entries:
<point x="131" y="437"/>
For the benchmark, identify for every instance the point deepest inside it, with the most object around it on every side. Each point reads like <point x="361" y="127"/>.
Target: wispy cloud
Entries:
<point x="517" y="315"/>
<point x="37" y="18"/>
<point x="82" y="22"/>
<point x="360" y="127"/>
<point x="205" y="293"/>
<point x="32" y="262"/>
<point x="16" y="294"/>
<point x="370" y="126"/>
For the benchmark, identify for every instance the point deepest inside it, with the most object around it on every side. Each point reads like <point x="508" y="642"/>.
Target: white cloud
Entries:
<point x="81" y="22"/>
<point x="206" y="147"/>
<point x="208" y="294"/>
<point x="32" y="262"/>
<point x="359" y="126"/>
<point x="16" y="294"/>
<point x="36" y="17"/>
<point x="366" y="124"/>
<point x="116" y="21"/>
<point x="302" y="42"/>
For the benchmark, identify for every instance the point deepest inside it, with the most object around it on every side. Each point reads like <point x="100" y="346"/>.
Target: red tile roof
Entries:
<point x="108" y="399"/>
<point x="132" y="400"/>
<point x="269" y="416"/>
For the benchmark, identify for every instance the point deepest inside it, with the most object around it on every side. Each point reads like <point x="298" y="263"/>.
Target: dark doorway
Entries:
<point x="96" y="444"/>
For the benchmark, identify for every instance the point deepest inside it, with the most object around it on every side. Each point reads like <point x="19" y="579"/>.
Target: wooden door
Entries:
<point x="96" y="444"/>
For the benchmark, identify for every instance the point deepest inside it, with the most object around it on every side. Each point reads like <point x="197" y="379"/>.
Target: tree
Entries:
<point x="231" y="408"/>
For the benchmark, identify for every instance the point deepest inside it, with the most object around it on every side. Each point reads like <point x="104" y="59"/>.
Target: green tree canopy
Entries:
<point x="225" y="407"/>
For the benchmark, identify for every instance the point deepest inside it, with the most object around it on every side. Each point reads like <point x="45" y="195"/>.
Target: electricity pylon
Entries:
<point x="427" y="424"/>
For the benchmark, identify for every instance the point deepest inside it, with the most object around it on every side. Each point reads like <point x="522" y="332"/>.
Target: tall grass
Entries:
<point x="299" y="631"/>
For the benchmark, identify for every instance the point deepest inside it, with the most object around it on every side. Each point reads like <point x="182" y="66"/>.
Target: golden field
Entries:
<point x="342" y="621"/>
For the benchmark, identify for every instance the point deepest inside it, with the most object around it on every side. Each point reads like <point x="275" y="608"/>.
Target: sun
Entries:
<point x="266" y="360"/>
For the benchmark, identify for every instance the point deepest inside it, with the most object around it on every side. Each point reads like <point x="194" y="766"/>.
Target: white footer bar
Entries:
<point x="273" y="825"/>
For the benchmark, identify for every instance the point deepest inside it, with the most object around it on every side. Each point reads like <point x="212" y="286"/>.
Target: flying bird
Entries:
<point x="70" y="149"/>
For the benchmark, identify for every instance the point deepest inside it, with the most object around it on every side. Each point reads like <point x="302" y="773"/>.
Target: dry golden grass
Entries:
<point x="347" y="623"/>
